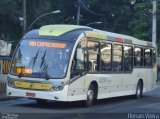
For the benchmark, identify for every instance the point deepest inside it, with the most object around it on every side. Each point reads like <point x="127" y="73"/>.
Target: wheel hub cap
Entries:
<point x="90" y="95"/>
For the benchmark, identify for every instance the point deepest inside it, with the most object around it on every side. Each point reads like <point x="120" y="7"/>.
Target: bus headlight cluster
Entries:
<point x="10" y="83"/>
<point x="58" y="86"/>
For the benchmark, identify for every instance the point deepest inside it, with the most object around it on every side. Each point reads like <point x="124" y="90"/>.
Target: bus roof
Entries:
<point x="57" y="30"/>
<point x="115" y="37"/>
<point x="71" y="32"/>
<point x="63" y="32"/>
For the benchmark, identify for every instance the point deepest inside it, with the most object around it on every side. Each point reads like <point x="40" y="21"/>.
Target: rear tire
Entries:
<point x="139" y="90"/>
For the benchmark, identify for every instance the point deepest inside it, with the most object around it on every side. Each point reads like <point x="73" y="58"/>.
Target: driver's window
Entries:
<point x="78" y="65"/>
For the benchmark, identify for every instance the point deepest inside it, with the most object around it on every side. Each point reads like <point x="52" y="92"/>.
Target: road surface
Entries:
<point x="120" y="107"/>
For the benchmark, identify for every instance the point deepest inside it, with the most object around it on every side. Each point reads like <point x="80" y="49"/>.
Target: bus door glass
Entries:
<point x="79" y="61"/>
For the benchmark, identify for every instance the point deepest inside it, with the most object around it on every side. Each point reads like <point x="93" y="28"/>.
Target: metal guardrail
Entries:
<point x="2" y="87"/>
<point x="4" y="70"/>
<point x="3" y="83"/>
<point x="4" y="64"/>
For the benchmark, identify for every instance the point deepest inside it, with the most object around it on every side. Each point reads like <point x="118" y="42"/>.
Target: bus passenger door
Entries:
<point x="77" y="87"/>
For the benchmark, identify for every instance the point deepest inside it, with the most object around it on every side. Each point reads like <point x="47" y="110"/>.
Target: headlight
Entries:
<point x="10" y="83"/>
<point x="58" y="86"/>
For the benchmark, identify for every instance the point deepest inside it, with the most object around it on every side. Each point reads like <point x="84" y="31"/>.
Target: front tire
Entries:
<point x="91" y="96"/>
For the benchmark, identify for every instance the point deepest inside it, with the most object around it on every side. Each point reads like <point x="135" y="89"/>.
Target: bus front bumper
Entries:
<point x="47" y="95"/>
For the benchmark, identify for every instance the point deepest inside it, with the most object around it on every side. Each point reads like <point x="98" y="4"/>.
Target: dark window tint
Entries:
<point x="105" y="57"/>
<point x="128" y="58"/>
<point x="117" y="58"/>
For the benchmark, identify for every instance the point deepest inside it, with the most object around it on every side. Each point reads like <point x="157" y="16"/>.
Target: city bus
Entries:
<point x="78" y="63"/>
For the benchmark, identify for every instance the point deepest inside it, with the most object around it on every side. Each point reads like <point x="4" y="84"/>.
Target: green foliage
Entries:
<point x="118" y="16"/>
<point x="9" y="13"/>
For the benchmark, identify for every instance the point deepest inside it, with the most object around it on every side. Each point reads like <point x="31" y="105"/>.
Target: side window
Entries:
<point x="78" y="64"/>
<point x="93" y="56"/>
<point x="117" y="58"/>
<point x="128" y="58"/>
<point x="106" y="57"/>
<point x="80" y="53"/>
<point x="147" y="57"/>
<point x="138" y="56"/>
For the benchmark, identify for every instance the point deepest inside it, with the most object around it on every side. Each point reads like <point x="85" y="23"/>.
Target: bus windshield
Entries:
<point x="42" y="58"/>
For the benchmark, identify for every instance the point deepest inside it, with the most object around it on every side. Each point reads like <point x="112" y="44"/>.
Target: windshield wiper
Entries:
<point x="45" y="72"/>
<point x="35" y="58"/>
<point x="43" y="59"/>
<point x="44" y="65"/>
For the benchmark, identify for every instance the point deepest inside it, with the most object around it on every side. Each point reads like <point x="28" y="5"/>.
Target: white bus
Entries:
<point x="73" y="63"/>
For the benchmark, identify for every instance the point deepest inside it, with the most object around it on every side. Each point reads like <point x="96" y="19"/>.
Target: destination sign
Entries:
<point x="47" y="44"/>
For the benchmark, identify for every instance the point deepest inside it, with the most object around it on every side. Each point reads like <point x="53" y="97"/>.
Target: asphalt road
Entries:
<point x="120" y="107"/>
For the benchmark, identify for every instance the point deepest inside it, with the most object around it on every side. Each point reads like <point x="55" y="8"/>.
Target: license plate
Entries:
<point x="30" y="94"/>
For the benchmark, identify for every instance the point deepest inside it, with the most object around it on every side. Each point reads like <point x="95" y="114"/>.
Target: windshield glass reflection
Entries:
<point x="42" y="58"/>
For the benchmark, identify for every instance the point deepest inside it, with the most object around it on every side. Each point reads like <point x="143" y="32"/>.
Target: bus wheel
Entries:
<point x="90" y="96"/>
<point x="139" y="90"/>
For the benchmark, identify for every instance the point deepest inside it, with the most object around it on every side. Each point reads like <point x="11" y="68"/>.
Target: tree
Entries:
<point x="117" y="16"/>
<point x="9" y="13"/>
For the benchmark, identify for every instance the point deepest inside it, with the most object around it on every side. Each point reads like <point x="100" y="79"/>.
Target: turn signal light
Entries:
<point x="23" y="70"/>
